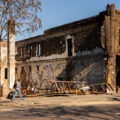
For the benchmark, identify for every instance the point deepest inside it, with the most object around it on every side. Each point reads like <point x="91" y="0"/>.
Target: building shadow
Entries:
<point x="100" y="112"/>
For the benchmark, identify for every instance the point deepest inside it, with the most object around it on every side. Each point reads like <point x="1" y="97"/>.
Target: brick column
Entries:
<point x="11" y="52"/>
<point x="110" y="48"/>
<point x="111" y="74"/>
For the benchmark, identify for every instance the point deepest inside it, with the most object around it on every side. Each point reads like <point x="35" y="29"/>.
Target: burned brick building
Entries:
<point x="87" y="51"/>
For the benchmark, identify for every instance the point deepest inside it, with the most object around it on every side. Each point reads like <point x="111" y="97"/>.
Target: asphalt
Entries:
<point x="63" y="100"/>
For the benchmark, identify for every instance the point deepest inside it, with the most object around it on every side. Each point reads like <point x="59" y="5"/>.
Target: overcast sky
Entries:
<point x="58" y="12"/>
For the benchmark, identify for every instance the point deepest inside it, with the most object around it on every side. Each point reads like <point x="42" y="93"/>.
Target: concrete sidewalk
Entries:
<point x="63" y="100"/>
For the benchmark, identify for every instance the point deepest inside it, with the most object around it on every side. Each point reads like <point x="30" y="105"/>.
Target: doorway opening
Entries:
<point x="118" y="71"/>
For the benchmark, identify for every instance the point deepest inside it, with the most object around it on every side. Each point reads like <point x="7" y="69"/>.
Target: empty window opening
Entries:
<point x="23" y="52"/>
<point x="31" y="49"/>
<point x="15" y="69"/>
<point x="22" y="69"/>
<point x="39" y="48"/>
<point x="69" y="43"/>
<point x="5" y="73"/>
<point x="37" y="68"/>
<point x="30" y="68"/>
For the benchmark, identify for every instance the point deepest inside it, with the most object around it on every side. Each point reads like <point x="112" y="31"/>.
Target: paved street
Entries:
<point x="99" y="107"/>
<point x="47" y="112"/>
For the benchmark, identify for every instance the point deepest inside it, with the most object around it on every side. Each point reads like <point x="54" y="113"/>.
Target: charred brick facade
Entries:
<point x="87" y="51"/>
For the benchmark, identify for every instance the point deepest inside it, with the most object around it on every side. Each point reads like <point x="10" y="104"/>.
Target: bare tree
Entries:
<point x="23" y="12"/>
